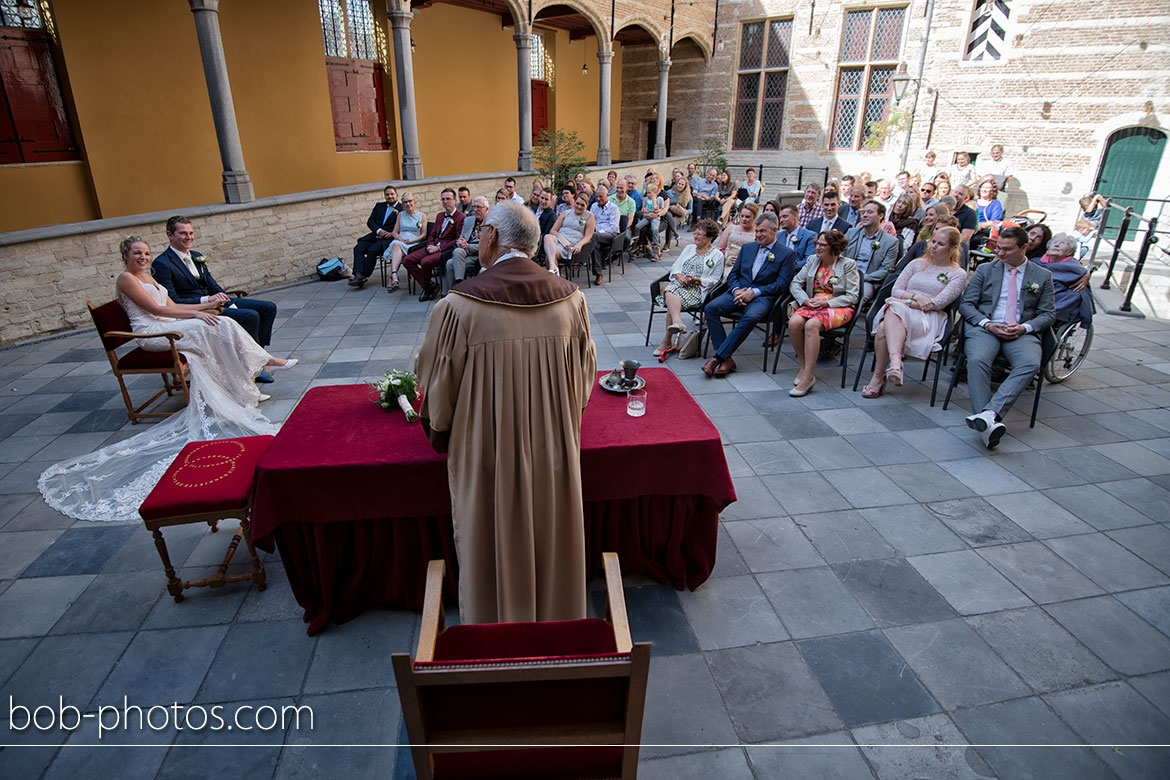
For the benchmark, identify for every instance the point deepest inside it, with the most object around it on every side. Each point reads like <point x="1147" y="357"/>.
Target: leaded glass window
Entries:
<point x="761" y="84"/>
<point x="864" y="83"/>
<point x="348" y="30"/>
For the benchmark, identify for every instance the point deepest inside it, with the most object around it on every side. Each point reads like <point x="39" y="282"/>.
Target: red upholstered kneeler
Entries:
<point x="209" y="481"/>
<point x="524" y="700"/>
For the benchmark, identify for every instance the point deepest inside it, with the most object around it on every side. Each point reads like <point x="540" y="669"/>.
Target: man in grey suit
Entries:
<point x="466" y="246"/>
<point x="875" y="250"/>
<point x="1007" y="306"/>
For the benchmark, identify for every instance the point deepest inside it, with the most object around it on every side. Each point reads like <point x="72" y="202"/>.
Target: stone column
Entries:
<point x="400" y="16"/>
<point x="660" y="139"/>
<point x="524" y="93"/>
<point x="604" y="157"/>
<point x="237" y="185"/>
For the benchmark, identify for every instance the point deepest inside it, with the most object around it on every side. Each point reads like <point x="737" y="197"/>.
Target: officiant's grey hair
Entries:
<point x="515" y="225"/>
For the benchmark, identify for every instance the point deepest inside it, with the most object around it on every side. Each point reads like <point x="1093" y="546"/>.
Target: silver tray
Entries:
<point x="610" y="382"/>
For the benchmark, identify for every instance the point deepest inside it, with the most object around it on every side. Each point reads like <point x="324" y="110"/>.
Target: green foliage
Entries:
<point x="876" y="133"/>
<point x="558" y="156"/>
<point x="712" y="155"/>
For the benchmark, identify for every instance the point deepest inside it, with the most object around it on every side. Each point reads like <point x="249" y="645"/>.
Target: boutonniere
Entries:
<point x="875" y="245"/>
<point x="1032" y="287"/>
<point x="943" y="278"/>
<point x="710" y="260"/>
<point x="200" y="259"/>
<point x="769" y="258"/>
<point x="834" y="280"/>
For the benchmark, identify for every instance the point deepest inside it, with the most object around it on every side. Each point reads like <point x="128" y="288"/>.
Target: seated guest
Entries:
<point x="370" y="247"/>
<point x="569" y="234"/>
<point x="926" y="194"/>
<point x="885" y="194"/>
<point x="845" y="191"/>
<point x="611" y="179"/>
<point x="626" y="205"/>
<point x="184" y="274"/>
<point x="587" y="189"/>
<point x="534" y="198"/>
<point x="441" y="238"/>
<point x="654" y="208"/>
<point x="875" y="250"/>
<point x="871" y="190"/>
<point x="501" y="196"/>
<point x="968" y="219"/>
<point x="810" y="208"/>
<point x="546" y="217"/>
<point x="1074" y="303"/>
<point x="854" y="206"/>
<point x="695" y="273"/>
<point x="407" y="233"/>
<point x="988" y="209"/>
<point x="568" y="195"/>
<point x="830" y="218"/>
<point x="902" y="219"/>
<point x="1038" y="237"/>
<point x="749" y="191"/>
<point x="760" y="275"/>
<point x="510" y="188"/>
<point x="928" y="170"/>
<point x="704" y="197"/>
<point x="726" y="194"/>
<point x="606" y="217"/>
<point x="942" y="185"/>
<point x="936" y="217"/>
<point x="903" y="186"/>
<point x="772" y="207"/>
<point x="825" y="292"/>
<point x="796" y="238"/>
<point x="962" y="172"/>
<point x="680" y="205"/>
<point x="464" y="204"/>
<point x="733" y="237"/>
<point x="914" y="316"/>
<point x="632" y="191"/>
<point x="466" y="254"/>
<point x="1006" y="306"/>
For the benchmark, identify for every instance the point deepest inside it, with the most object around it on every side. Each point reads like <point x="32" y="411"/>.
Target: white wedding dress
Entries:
<point x="110" y="484"/>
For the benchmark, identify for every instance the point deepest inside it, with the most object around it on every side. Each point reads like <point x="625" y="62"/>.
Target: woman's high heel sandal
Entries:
<point x="894" y="375"/>
<point x="872" y="390"/>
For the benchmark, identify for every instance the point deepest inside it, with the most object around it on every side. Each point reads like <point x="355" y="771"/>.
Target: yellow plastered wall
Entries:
<point x="45" y="194"/>
<point x="465" y="91"/>
<point x="575" y="98"/>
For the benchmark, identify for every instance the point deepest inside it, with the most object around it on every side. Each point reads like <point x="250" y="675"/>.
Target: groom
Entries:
<point x="187" y="279"/>
<point x="761" y="274"/>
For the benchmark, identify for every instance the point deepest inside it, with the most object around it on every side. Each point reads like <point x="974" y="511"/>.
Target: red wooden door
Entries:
<point x="359" y="105"/>
<point x="539" y="108"/>
<point x="36" y="128"/>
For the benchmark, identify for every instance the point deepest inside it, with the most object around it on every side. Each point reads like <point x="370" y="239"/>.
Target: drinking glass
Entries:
<point x="636" y="402"/>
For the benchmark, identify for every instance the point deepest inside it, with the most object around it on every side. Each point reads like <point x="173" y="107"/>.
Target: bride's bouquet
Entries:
<point x="397" y="387"/>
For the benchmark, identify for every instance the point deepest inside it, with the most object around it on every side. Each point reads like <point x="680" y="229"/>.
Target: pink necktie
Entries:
<point x="1013" y="298"/>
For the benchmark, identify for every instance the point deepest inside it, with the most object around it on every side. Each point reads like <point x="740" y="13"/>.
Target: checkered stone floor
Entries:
<point x="887" y="592"/>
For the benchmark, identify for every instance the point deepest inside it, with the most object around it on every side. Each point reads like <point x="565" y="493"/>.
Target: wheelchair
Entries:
<point x="981" y="248"/>
<point x="1072" y="347"/>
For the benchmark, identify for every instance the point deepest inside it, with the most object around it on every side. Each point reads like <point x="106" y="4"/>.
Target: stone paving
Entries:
<point x="887" y="592"/>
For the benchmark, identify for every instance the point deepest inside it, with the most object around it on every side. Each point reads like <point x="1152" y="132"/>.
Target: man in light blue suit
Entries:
<point x="760" y="276"/>
<point x="799" y="240"/>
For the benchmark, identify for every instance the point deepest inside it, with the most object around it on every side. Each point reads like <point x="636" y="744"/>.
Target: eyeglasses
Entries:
<point x="821" y="243"/>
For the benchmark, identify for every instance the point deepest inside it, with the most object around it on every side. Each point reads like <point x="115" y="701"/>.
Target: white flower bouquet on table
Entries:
<point x="397" y="387"/>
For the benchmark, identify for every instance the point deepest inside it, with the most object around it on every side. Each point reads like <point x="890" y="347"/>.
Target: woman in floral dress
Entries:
<point x="825" y="292"/>
<point x="914" y="316"/>
<point x="698" y="268"/>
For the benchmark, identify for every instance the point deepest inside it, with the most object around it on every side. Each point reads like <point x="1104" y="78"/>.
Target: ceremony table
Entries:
<point x="357" y="501"/>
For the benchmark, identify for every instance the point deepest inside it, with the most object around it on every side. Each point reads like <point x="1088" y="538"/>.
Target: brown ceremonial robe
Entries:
<point x="506" y="368"/>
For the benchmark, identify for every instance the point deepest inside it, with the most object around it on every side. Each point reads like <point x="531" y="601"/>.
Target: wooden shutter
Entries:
<point x="359" y="105"/>
<point x="36" y="128"/>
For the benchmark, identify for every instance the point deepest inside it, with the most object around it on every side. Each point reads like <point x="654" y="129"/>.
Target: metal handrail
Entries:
<point x="1149" y="239"/>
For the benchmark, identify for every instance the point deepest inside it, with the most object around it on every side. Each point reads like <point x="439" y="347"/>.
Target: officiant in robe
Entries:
<point x="506" y="368"/>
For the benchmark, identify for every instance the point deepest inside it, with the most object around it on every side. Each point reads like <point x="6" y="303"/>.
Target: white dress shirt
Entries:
<point x="189" y="262"/>
<point x="1000" y="312"/>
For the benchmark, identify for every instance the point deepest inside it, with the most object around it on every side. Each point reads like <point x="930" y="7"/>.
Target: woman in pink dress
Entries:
<point x="735" y="236"/>
<point x="913" y="317"/>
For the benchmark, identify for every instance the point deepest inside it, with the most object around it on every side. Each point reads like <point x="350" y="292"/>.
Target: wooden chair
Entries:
<point x="209" y="481"/>
<point x="113" y="327"/>
<point x="571" y="692"/>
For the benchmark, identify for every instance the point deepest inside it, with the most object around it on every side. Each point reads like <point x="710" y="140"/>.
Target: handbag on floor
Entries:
<point x="689" y="346"/>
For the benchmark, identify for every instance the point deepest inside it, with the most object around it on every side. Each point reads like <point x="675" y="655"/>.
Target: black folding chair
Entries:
<point x="696" y="312"/>
<point x="1047" y="348"/>
<point x="938" y="354"/>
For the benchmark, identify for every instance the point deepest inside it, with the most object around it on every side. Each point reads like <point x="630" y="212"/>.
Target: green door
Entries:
<point x="1131" y="160"/>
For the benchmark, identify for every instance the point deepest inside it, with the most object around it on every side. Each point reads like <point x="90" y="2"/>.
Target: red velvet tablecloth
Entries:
<point x="357" y="501"/>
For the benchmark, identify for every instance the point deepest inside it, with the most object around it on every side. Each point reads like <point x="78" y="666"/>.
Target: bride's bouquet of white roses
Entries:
<point x="397" y="387"/>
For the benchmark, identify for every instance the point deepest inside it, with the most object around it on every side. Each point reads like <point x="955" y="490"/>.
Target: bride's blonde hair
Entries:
<point x="128" y="242"/>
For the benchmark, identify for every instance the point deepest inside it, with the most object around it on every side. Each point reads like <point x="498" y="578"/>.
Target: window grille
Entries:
<point x="865" y="83"/>
<point x="761" y="83"/>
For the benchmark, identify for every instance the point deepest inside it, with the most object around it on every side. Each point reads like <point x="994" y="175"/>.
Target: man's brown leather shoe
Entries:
<point x="725" y="368"/>
<point x="710" y="366"/>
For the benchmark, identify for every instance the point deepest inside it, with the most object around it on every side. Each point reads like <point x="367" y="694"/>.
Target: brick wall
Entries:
<point x="49" y="273"/>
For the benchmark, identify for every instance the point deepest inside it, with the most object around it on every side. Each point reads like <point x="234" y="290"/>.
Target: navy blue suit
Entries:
<point x="803" y="244"/>
<point x="254" y="316"/>
<point x="818" y="225"/>
<point x="772" y="283"/>
<point x="369" y="247"/>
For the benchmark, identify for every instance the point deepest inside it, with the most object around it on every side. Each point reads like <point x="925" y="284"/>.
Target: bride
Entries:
<point x="110" y="484"/>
